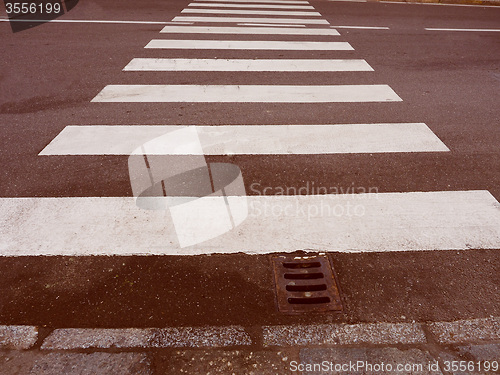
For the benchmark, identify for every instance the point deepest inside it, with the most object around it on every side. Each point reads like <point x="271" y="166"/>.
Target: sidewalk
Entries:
<point x="460" y="347"/>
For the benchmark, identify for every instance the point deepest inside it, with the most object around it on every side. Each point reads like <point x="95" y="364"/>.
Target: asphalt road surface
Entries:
<point x="416" y="120"/>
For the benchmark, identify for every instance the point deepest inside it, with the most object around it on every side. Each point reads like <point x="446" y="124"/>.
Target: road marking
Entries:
<point x="249" y="45"/>
<point x="448" y="220"/>
<point x="258" y="1"/>
<point x="247" y="30"/>
<point x="246" y="94"/>
<point x="361" y="27"/>
<point x="270" y="24"/>
<point x="412" y="3"/>
<point x="264" y="65"/>
<point x="101" y="21"/>
<point x="260" y="20"/>
<point x="249" y="139"/>
<point x="479" y="30"/>
<point x="252" y="12"/>
<point x="263" y="6"/>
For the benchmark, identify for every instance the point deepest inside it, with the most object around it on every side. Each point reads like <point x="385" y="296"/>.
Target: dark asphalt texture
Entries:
<point x="450" y="81"/>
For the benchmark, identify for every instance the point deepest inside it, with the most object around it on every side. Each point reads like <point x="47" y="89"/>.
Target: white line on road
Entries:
<point x="263" y="65"/>
<point x="247" y="30"/>
<point x="449" y="220"/>
<point x="258" y="1"/>
<point x="478" y="30"/>
<point x="423" y="3"/>
<point x="101" y="21"/>
<point x="262" y="6"/>
<point x="246" y="94"/>
<point x="361" y="27"/>
<point x="249" y="139"/>
<point x="249" y="45"/>
<point x="252" y="12"/>
<point x="260" y="20"/>
<point x="270" y="24"/>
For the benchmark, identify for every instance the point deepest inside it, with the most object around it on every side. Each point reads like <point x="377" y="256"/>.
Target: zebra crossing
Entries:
<point x="402" y="221"/>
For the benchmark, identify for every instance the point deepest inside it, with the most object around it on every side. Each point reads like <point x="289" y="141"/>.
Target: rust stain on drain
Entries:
<point x="305" y="284"/>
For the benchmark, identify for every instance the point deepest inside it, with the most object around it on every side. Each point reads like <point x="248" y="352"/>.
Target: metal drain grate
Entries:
<point x="305" y="284"/>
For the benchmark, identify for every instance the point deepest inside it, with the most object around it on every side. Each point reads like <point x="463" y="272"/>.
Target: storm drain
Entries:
<point x="305" y="284"/>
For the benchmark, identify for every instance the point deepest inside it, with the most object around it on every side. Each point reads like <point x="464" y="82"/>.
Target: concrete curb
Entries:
<point x="458" y="332"/>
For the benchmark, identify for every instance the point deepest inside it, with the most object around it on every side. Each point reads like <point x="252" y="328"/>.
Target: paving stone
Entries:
<point x="465" y="331"/>
<point x="474" y="359"/>
<point x="73" y="338"/>
<point x="228" y="362"/>
<point x="485" y="352"/>
<point x="366" y="361"/>
<point x="14" y="362"/>
<point x="344" y="334"/>
<point x="18" y="337"/>
<point x="39" y="363"/>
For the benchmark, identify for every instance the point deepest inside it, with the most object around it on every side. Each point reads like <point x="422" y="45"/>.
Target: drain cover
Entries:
<point x="305" y="284"/>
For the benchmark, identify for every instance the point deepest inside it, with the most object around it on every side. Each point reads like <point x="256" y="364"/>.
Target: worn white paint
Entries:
<point x="259" y="6"/>
<point x="248" y="30"/>
<point x="246" y="94"/>
<point x="259" y="1"/>
<point x="247" y="139"/>
<point x="252" y="19"/>
<point x="249" y="44"/>
<point x="361" y="27"/>
<point x="448" y="220"/>
<point x="271" y="24"/>
<point x="253" y="12"/>
<point x="473" y="30"/>
<point x="248" y="65"/>
<point x="99" y="21"/>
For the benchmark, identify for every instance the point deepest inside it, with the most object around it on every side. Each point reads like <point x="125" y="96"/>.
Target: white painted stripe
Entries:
<point x="250" y="65"/>
<point x="249" y="44"/>
<point x="270" y="24"/>
<point x="251" y="139"/>
<point x="444" y="4"/>
<point x="252" y="12"/>
<point x="258" y="1"/>
<point x="479" y="30"/>
<point x="449" y="220"/>
<point x="101" y="21"/>
<point x="260" y="20"/>
<point x="245" y="94"/>
<point x="261" y="6"/>
<point x="362" y="27"/>
<point x="246" y="30"/>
